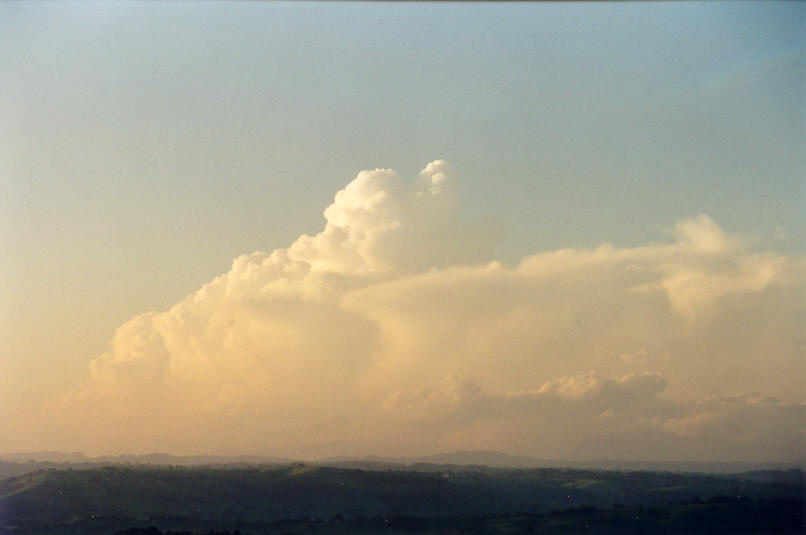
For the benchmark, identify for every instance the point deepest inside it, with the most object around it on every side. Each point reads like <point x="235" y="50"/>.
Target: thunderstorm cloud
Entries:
<point x="394" y="330"/>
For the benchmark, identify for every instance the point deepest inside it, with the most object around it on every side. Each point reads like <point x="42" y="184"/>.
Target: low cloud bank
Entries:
<point x="395" y="329"/>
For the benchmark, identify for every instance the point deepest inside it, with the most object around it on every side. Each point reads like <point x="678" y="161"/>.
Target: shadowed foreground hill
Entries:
<point x="109" y="499"/>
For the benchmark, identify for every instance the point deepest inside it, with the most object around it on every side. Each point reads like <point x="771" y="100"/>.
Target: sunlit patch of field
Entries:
<point x="18" y="484"/>
<point x="583" y="483"/>
<point x="298" y="470"/>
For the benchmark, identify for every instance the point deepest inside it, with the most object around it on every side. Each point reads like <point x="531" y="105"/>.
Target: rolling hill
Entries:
<point x="102" y="500"/>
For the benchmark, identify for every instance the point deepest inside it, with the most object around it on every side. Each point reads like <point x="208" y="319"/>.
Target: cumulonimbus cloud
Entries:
<point x="394" y="327"/>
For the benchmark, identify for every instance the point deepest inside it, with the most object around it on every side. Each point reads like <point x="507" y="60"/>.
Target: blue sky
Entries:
<point x="143" y="146"/>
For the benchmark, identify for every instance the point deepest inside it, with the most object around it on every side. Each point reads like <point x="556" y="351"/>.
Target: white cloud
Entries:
<point x="351" y="335"/>
<point x="591" y="417"/>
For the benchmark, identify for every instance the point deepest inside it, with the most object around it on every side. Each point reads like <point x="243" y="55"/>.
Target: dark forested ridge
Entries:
<point x="16" y="463"/>
<point x="308" y="498"/>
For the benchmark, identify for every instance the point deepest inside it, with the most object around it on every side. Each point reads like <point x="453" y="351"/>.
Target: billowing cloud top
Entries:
<point x="393" y="331"/>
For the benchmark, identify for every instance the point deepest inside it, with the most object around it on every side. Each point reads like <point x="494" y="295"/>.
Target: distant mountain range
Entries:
<point x="483" y="458"/>
<point x="149" y="458"/>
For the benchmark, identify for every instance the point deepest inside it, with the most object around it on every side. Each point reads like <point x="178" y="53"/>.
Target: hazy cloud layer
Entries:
<point x="393" y="330"/>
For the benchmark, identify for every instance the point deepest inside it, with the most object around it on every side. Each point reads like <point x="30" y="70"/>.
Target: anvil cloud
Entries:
<point x="394" y="331"/>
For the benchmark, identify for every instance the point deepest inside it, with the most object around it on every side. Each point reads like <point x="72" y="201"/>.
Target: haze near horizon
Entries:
<point x="560" y="231"/>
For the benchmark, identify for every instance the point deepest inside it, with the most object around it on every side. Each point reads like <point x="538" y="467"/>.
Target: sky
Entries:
<point x="309" y="229"/>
